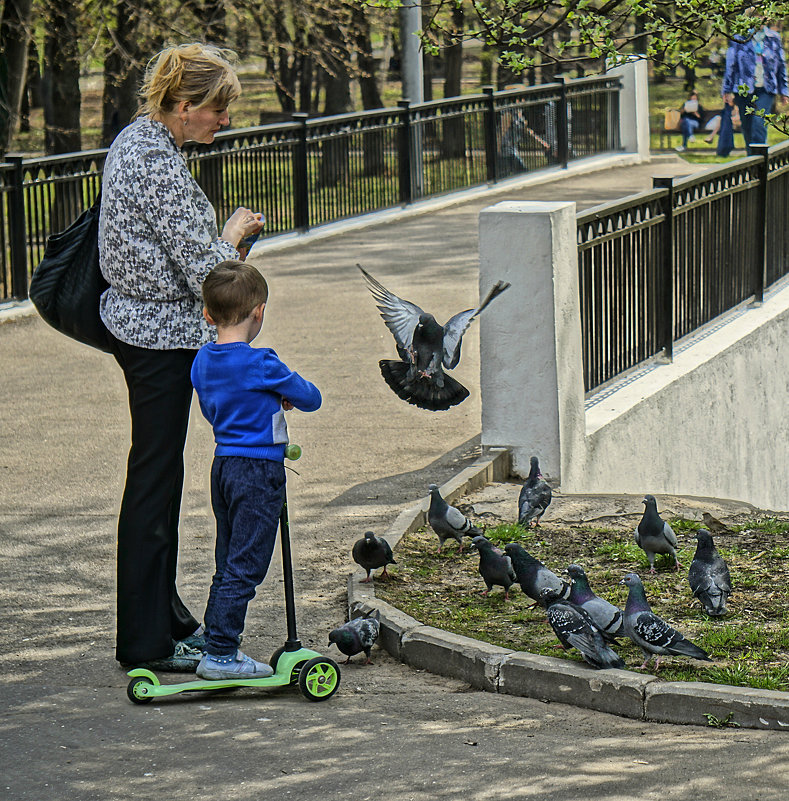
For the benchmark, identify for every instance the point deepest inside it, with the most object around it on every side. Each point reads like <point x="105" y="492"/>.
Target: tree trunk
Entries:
<point x="15" y="31"/>
<point x="337" y="100"/>
<point x="212" y="15"/>
<point x="373" y="141"/>
<point x="62" y="100"/>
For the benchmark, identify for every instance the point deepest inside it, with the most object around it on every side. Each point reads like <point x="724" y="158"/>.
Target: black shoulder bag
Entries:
<point x="67" y="284"/>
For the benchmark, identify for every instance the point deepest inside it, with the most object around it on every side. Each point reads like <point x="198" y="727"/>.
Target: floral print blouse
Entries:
<point x="157" y="241"/>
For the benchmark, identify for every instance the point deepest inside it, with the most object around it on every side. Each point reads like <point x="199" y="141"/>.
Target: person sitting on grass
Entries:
<point x="243" y="392"/>
<point x="690" y="119"/>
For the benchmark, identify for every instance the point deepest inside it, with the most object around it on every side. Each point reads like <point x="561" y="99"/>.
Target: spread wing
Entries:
<point x="401" y="316"/>
<point x="456" y="326"/>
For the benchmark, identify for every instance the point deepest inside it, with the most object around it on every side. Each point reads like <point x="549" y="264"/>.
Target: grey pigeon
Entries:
<point x="714" y="526"/>
<point x="532" y="574"/>
<point x="653" y="535"/>
<point x="575" y="629"/>
<point x="651" y="633"/>
<point x="372" y="552"/>
<point x="357" y="635"/>
<point x="709" y="576"/>
<point x="607" y="617"/>
<point x="425" y="348"/>
<point x="495" y="566"/>
<point x="447" y="521"/>
<point x="535" y="496"/>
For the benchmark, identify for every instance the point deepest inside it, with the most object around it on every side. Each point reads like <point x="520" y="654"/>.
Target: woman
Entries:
<point x="690" y="120"/>
<point x="157" y="242"/>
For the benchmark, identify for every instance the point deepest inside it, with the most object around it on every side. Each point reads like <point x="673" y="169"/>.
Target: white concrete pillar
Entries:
<point x="633" y="104"/>
<point x="530" y="338"/>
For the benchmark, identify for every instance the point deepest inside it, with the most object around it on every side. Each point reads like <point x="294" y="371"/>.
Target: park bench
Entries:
<point x="670" y="125"/>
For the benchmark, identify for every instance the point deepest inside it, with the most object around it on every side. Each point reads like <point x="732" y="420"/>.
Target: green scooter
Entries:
<point x="317" y="676"/>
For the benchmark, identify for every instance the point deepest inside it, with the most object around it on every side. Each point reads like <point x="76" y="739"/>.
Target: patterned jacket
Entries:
<point x="157" y="241"/>
<point x="741" y="66"/>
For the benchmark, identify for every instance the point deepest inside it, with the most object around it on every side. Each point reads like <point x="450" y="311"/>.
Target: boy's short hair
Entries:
<point x="232" y="290"/>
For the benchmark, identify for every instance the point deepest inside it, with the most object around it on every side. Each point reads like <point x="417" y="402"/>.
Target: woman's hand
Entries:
<point x="242" y="222"/>
<point x="728" y="98"/>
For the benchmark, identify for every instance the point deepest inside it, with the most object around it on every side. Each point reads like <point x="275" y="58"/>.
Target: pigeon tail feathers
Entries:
<point x="420" y="392"/>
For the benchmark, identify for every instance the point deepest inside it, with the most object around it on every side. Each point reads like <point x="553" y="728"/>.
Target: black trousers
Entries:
<point x="150" y="613"/>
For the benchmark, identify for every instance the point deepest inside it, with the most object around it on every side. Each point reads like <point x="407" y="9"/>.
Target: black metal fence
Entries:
<point x="658" y="265"/>
<point x="310" y="172"/>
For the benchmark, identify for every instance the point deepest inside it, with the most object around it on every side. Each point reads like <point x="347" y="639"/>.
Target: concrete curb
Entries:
<point x="494" y="669"/>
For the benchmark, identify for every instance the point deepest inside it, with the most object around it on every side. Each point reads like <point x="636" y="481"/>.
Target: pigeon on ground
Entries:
<point x="653" y="535"/>
<point x="714" y="526"/>
<point x="709" y="576"/>
<point x="425" y="348"/>
<point x="651" y="633"/>
<point x="534" y="498"/>
<point x="575" y="629"/>
<point x="532" y="574"/>
<point x="607" y="617"/>
<point x="372" y="552"/>
<point x="495" y="566"/>
<point x="357" y="635"/>
<point x="447" y="521"/>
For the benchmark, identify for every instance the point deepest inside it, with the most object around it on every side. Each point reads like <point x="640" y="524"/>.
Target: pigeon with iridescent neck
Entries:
<point x="535" y="497"/>
<point x="607" y="617"/>
<point x="533" y="575"/>
<point x="372" y="552"/>
<point x="495" y="566"/>
<point x="709" y="575"/>
<point x="653" y="535"/>
<point x="448" y="521"/>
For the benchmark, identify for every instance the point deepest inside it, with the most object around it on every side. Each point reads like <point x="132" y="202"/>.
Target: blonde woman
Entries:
<point x="158" y="240"/>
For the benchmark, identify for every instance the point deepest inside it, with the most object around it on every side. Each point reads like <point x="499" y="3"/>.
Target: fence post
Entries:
<point x="760" y="257"/>
<point x="562" y="127"/>
<point x="667" y="235"/>
<point x="490" y="135"/>
<point x="17" y="227"/>
<point x="301" y="194"/>
<point x="405" y="148"/>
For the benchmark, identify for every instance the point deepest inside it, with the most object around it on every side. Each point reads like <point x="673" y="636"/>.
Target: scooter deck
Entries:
<point x="318" y="678"/>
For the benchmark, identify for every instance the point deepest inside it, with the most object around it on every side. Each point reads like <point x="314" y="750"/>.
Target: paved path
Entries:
<point x="68" y="731"/>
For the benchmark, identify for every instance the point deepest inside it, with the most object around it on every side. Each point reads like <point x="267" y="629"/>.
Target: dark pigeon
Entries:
<point x="425" y="348"/>
<point x="714" y="526"/>
<point x="357" y="635"/>
<point x="575" y="629"/>
<point x="651" y="633"/>
<point x="709" y="576"/>
<point x="495" y="566"/>
<point x="372" y="552"/>
<point x="532" y="574"/>
<point x="534" y="498"/>
<point x="447" y="521"/>
<point x="653" y="535"/>
<point x="607" y="617"/>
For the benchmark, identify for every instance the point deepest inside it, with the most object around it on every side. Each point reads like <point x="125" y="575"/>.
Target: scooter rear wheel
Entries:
<point x="136" y="690"/>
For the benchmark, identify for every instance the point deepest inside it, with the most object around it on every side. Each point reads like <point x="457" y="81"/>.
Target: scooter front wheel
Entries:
<point x="319" y="679"/>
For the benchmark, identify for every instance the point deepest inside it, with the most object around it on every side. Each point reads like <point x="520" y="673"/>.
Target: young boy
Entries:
<point x="243" y="393"/>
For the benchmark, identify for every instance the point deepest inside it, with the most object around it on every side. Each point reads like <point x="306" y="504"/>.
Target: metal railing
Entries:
<point x="658" y="265"/>
<point x="310" y="172"/>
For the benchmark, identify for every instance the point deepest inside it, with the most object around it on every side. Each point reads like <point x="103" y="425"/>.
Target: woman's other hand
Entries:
<point x="242" y="222"/>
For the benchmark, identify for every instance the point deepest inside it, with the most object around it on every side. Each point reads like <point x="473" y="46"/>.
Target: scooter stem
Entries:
<point x="292" y="643"/>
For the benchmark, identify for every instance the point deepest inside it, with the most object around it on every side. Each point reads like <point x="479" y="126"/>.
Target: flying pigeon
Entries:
<point x="357" y="635"/>
<point x="534" y="498"/>
<point x="447" y="521"/>
<point x="607" y="617"/>
<point x="372" y="552"/>
<point x="653" y="535"/>
<point x="495" y="566"/>
<point x="425" y="348"/>
<point x="651" y="633"/>
<point x="709" y="576"/>
<point x="532" y="574"/>
<point x="575" y="629"/>
<point x="714" y="526"/>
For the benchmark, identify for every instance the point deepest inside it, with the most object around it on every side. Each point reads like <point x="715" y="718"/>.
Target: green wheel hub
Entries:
<point x="319" y="679"/>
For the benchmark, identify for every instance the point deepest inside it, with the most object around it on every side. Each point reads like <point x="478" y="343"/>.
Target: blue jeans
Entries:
<point x="688" y="126"/>
<point x="753" y="128"/>
<point x="247" y="497"/>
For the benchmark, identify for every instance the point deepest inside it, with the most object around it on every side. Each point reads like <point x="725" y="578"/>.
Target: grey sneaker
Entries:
<point x="233" y="666"/>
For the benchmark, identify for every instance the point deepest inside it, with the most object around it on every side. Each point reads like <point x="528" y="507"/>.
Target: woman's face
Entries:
<point x="204" y="122"/>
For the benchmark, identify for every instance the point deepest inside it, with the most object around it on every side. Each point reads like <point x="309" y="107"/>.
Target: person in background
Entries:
<point x="158" y="240"/>
<point x="690" y="119"/>
<point x="757" y="63"/>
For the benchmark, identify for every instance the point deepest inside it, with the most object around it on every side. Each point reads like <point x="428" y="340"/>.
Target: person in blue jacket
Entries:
<point x="244" y="393"/>
<point x="757" y="63"/>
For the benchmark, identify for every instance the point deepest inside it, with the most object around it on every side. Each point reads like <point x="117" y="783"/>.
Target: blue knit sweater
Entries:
<point x="240" y="390"/>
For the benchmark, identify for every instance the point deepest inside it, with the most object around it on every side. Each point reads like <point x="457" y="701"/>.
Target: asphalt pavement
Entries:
<point x="68" y="731"/>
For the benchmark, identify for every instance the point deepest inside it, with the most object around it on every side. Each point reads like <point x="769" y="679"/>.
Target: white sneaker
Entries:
<point x="691" y="138"/>
<point x="233" y="666"/>
<point x="680" y="148"/>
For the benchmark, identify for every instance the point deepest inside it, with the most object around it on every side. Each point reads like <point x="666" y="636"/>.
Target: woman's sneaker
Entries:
<point x="183" y="660"/>
<point x="234" y="666"/>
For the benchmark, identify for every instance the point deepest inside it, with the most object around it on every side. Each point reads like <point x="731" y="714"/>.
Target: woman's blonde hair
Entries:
<point x="197" y="73"/>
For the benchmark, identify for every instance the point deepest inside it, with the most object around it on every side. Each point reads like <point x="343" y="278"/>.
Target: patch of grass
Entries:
<point x="749" y="646"/>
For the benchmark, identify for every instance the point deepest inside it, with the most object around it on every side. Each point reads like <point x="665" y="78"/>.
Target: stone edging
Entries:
<point x="494" y="669"/>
